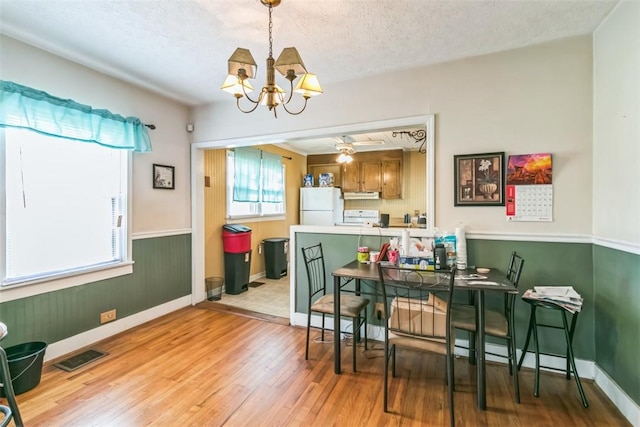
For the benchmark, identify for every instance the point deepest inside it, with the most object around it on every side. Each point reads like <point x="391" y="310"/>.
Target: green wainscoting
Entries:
<point x="617" y="317"/>
<point x="545" y="264"/>
<point x="161" y="273"/>
<point x="608" y="280"/>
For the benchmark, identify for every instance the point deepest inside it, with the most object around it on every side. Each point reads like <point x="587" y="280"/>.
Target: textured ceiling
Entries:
<point x="180" y="47"/>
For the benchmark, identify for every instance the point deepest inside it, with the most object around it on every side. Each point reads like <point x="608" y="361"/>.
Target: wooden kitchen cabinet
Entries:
<point x="375" y="171"/>
<point x="391" y="179"/>
<point x="362" y="176"/>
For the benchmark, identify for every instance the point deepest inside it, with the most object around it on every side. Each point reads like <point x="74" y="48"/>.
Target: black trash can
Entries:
<point x="237" y="257"/>
<point x="213" y="287"/>
<point x="236" y="272"/>
<point x="25" y="365"/>
<point x="275" y="257"/>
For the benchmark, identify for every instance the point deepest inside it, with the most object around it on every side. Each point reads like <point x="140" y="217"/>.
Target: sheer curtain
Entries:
<point x="272" y="178"/>
<point x="246" y="179"/>
<point x="26" y="108"/>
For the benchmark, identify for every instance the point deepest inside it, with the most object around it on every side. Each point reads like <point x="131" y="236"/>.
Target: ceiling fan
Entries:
<point x="346" y="143"/>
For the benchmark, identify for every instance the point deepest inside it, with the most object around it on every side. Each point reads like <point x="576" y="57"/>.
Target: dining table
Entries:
<point x="467" y="280"/>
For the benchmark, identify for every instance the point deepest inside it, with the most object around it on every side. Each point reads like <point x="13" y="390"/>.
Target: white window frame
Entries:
<point x="69" y="279"/>
<point x="258" y="216"/>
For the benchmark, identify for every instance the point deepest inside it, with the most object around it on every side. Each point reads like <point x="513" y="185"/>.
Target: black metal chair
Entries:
<point x="9" y="412"/>
<point x="499" y="324"/>
<point x="568" y="333"/>
<point x="416" y="318"/>
<point x="352" y="306"/>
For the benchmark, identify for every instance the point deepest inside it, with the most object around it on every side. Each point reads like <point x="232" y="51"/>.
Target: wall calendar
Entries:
<point x="529" y="190"/>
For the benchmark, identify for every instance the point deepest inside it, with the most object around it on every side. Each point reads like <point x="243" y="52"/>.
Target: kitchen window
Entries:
<point x="255" y="184"/>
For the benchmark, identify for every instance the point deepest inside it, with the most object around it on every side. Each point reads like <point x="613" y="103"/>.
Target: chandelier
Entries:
<point x="242" y="67"/>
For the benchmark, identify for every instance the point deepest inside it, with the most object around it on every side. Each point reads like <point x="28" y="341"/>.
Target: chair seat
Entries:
<point x="434" y="345"/>
<point x="350" y="305"/>
<point x="464" y="317"/>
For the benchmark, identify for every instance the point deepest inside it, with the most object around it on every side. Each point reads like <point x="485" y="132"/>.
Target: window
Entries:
<point x="65" y="206"/>
<point x="255" y="184"/>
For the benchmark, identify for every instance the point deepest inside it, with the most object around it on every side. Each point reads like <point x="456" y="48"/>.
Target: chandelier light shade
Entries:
<point x="242" y="66"/>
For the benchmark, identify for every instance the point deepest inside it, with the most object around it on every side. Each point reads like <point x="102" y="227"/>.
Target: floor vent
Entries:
<point x="79" y="360"/>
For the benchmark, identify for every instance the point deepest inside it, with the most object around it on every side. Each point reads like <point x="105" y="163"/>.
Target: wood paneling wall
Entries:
<point x="161" y="273"/>
<point x="215" y="209"/>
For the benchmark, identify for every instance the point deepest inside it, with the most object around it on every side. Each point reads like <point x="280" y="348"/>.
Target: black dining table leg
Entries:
<point x="336" y="325"/>
<point x="482" y="376"/>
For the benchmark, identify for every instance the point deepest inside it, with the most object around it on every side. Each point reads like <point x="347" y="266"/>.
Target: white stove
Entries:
<point x="360" y="217"/>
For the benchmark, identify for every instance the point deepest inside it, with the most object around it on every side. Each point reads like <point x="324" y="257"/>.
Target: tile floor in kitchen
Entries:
<point x="270" y="298"/>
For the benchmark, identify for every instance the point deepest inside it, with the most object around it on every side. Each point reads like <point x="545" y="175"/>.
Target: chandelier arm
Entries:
<point x="306" y="98"/>
<point x="290" y="92"/>
<point x="255" y="105"/>
<point x="244" y="91"/>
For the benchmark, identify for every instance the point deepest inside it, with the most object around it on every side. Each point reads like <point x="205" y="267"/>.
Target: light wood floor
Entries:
<point x="199" y="367"/>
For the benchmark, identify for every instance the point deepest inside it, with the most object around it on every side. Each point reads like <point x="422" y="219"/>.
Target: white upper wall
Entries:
<point x="532" y="100"/>
<point x="616" y="130"/>
<point x="153" y="210"/>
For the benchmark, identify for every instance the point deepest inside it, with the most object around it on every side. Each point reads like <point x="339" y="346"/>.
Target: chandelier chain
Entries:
<point x="270" y="33"/>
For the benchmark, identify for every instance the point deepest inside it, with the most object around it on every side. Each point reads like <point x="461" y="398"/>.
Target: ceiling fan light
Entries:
<point x="290" y="59"/>
<point x="344" y="158"/>
<point x="233" y="85"/>
<point x="308" y="85"/>
<point x="242" y="59"/>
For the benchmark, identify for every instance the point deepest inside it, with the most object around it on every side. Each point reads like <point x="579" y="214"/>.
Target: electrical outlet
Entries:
<point x="108" y="316"/>
<point x="379" y="310"/>
<point x="260" y="249"/>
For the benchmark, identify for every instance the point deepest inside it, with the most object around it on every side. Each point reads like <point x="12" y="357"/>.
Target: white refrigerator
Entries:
<point x="321" y="206"/>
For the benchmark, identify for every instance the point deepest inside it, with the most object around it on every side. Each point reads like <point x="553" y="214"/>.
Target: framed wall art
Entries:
<point x="163" y="177"/>
<point x="479" y="179"/>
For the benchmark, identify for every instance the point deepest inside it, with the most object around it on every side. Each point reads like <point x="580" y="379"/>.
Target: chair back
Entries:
<point x="316" y="274"/>
<point x="515" y="268"/>
<point x="417" y="302"/>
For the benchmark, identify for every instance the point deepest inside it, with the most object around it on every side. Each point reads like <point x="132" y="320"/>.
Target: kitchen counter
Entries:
<point x="360" y="231"/>
<point x="340" y="244"/>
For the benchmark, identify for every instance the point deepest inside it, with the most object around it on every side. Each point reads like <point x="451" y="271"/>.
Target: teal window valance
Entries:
<point x="26" y="108"/>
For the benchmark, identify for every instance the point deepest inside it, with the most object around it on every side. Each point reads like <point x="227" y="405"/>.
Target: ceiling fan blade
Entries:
<point x="368" y="142"/>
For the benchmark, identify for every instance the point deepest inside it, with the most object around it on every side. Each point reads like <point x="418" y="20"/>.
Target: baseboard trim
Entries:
<point x="626" y="405"/>
<point x="69" y="345"/>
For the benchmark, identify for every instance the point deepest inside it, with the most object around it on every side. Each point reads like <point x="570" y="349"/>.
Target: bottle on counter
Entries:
<point x="440" y="256"/>
<point x="461" y="248"/>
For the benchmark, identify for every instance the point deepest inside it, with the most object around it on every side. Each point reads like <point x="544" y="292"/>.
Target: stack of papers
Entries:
<point x="563" y="296"/>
